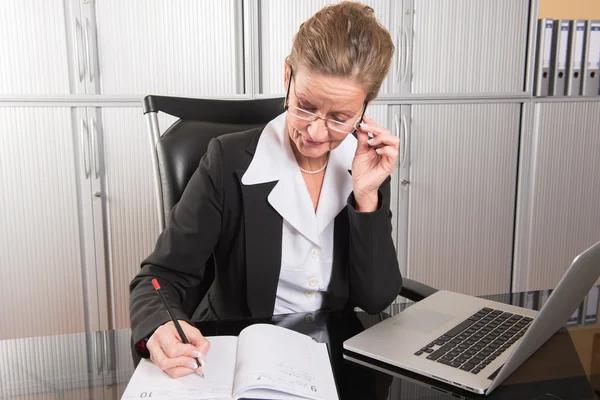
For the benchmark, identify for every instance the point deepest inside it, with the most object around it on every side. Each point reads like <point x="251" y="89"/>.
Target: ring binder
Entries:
<point x="543" y="57"/>
<point x="575" y="58"/>
<point x="591" y="64"/>
<point x="559" y="58"/>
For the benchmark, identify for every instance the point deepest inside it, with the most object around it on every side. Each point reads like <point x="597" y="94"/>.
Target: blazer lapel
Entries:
<point x="263" y="227"/>
<point x="292" y="201"/>
<point x="338" y="285"/>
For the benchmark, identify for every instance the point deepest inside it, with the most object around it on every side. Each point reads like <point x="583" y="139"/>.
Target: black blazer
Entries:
<point x="218" y="213"/>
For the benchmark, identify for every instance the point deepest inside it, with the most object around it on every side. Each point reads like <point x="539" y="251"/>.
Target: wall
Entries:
<point x="572" y="9"/>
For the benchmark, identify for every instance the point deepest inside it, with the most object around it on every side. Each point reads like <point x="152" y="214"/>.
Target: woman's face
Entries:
<point x="330" y="97"/>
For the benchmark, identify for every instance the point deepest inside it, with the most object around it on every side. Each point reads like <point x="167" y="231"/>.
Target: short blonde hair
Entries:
<point x="345" y="40"/>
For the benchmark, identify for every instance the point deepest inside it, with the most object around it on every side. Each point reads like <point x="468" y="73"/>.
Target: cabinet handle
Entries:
<point x="405" y="40"/>
<point x="397" y="127"/>
<point x="99" y="355"/>
<point x="83" y="131"/>
<point x="397" y="73"/>
<point x="95" y="155"/>
<point x="87" y="49"/>
<point x="78" y="43"/>
<point x="405" y="129"/>
<point x="107" y="356"/>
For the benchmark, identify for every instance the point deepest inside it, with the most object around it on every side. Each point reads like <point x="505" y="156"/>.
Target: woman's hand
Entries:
<point x="372" y="164"/>
<point x="173" y="356"/>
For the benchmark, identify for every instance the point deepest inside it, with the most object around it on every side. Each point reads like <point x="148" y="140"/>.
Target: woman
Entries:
<point x="296" y="213"/>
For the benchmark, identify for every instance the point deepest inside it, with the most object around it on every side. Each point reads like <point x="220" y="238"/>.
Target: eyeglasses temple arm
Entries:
<point x="359" y="121"/>
<point x="287" y="94"/>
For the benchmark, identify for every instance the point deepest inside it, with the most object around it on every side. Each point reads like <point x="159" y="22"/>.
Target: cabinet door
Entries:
<point x="129" y="201"/>
<point x="42" y="240"/>
<point x="465" y="46"/>
<point x="279" y="22"/>
<point x="46" y="367"/>
<point x="402" y="33"/>
<point x="559" y="191"/>
<point x="33" y="47"/>
<point x="96" y="276"/>
<point x="463" y="165"/>
<point x="187" y="48"/>
<point x="400" y="125"/>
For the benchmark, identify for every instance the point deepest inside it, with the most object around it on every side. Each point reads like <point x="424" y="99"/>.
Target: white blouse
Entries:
<point x="307" y="237"/>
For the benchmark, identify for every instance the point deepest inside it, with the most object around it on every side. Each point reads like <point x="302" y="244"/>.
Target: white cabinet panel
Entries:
<point x="279" y="22"/>
<point x="462" y="46"/>
<point x="48" y="367"/>
<point x="463" y="165"/>
<point x="33" y="46"/>
<point x="379" y="113"/>
<point x="40" y="231"/>
<point x="183" y="47"/>
<point x="559" y="197"/>
<point x="399" y="121"/>
<point x="130" y="200"/>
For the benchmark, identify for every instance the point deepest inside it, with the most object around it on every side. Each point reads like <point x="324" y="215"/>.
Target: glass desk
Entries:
<point x="98" y="365"/>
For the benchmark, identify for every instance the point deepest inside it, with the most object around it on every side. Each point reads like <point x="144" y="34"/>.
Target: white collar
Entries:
<point x="274" y="160"/>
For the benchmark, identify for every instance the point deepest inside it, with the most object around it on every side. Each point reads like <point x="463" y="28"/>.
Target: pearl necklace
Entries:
<point x="316" y="171"/>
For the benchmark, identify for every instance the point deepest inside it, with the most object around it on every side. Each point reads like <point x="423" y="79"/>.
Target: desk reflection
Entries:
<point x="98" y="365"/>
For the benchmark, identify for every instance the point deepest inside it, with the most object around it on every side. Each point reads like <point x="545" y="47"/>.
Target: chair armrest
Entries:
<point x="414" y="290"/>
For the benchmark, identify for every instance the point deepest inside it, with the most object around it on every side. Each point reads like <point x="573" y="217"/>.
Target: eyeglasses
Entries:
<point x="330" y="123"/>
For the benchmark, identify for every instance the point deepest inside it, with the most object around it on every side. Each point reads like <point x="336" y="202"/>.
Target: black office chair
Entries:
<point x="177" y="153"/>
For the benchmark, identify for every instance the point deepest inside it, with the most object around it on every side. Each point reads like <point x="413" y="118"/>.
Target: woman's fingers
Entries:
<point x="171" y="355"/>
<point x="165" y="362"/>
<point x="385" y="139"/>
<point x="388" y="152"/>
<point x="380" y="138"/>
<point x="174" y="348"/>
<point x="195" y="337"/>
<point x="178" y="372"/>
<point x="369" y="125"/>
<point x="168" y="340"/>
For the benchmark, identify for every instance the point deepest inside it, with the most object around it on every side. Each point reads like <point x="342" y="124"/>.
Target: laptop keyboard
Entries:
<point x="478" y="340"/>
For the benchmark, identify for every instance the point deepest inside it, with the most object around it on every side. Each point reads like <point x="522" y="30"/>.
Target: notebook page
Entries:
<point x="271" y="357"/>
<point x="149" y="381"/>
<point x="320" y="352"/>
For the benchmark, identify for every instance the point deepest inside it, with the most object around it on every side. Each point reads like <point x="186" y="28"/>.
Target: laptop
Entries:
<point x="473" y="343"/>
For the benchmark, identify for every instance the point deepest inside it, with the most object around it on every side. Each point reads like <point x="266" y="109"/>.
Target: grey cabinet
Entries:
<point x="61" y="368"/>
<point x="466" y="46"/>
<point x="129" y="202"/>
<point x="559" y="192"/>
<point x="399" y="120"/>
<point x="185" y="48"/>
<point x="41" y="237"/>
<point x="458" y="195"/>
<point x="34" y="48"/>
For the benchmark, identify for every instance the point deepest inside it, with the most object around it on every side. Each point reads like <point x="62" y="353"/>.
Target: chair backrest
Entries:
<point x="177" y="153"/>
<point x="179" y="150"/>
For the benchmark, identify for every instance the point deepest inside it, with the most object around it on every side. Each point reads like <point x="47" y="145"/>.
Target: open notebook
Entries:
<point x="264" y="361"/>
